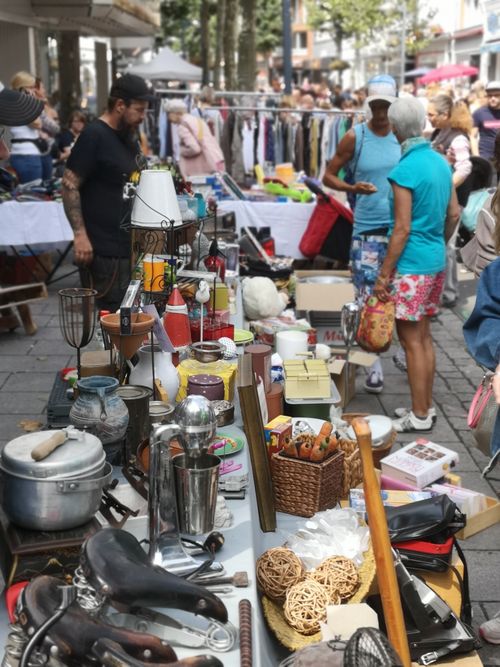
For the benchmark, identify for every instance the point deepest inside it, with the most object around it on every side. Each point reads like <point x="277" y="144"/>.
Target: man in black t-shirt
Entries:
<point x="102" y="160"/>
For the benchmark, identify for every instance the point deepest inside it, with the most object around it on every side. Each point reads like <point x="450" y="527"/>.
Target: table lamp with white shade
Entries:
<point x="155" y="201"/>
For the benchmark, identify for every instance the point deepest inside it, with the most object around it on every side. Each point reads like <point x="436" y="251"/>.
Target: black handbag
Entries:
<point x="423" y="532"/>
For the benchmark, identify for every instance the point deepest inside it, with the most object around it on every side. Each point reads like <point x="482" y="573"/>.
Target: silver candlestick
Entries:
<point x="349" y="320"/>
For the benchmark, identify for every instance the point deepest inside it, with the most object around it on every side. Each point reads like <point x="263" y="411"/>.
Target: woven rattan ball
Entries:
<point x="305" y="606"/>
<point x="277" y="570"/>
<point x="339" y="575"/>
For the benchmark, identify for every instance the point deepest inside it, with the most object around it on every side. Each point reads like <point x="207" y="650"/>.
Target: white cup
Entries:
<point x="291" y="344"/>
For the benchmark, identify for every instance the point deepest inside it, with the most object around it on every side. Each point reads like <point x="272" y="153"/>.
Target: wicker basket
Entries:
<point x="303" y="487"/>
<point x="292" y="639"/>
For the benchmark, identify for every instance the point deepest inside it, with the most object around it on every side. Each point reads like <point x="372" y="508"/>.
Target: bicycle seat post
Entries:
<point x="165" y="546"/>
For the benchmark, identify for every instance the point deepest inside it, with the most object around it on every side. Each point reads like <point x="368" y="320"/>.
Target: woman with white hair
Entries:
<point x="425" y="213"/>
<point x="199" y="151"/>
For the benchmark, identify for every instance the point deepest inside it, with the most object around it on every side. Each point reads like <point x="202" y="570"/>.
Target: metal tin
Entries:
<point x="210" y="386"/>
<point x="82" y="457"/>
<point x="136" y="398"/>
<point x="161" y="412"/>
<point x="133" y="392"/>
<point x="224" y="412"/>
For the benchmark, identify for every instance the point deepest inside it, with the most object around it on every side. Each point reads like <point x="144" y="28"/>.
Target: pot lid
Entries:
<point x="380" y="426"/>
<point x="75" y="457"/>
<point x="133" y="392"/>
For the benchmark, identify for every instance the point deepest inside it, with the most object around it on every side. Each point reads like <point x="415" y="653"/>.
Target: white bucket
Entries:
<point x="155" y="203"/>
<point x="291" y="344"/>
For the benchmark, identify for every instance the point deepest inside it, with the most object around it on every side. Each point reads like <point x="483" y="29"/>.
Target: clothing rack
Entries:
<point x="216" y="93"/>
<point x="338" y="112"/>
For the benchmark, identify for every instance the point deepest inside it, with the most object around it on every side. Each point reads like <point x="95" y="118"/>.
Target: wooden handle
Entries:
<point x="46" y="447"/>
<point x="386" y="574"/>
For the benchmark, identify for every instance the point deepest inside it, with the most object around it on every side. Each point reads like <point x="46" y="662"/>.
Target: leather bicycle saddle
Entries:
<point x="109" y="654"/>
<point x="76" y="632"/>
<point x="116" y="565"/>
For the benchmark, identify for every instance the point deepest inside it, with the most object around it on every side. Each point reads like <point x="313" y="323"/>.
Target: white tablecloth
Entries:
<point x="34" y="224"/>
<point x="287" y="220"/>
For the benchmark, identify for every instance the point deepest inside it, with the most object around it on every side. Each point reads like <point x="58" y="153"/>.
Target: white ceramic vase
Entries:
<point x="142" y="372"/>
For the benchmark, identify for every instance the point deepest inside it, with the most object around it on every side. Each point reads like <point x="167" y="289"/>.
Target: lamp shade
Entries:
<point x="155" y="203"/>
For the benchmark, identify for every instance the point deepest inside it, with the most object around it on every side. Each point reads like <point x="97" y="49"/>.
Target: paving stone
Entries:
<point x="44" y="348"/>
<point x="10" y="425"/>
<point x="15" y="344"/>
<point x="486" y="587"/>
<point x="3" y="377"/>
<point x="487" y="539"/>
<point x="20" y="403"/>
<point x="33" y="363"/>
<point x="460" y="386"/>
<point x="28" y="381"/>
<point x="450" y="405"/>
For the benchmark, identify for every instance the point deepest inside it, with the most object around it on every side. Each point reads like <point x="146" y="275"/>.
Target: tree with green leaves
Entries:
<point x="181" y="27"/>
<point x="269" y="26"/>
<point x="343" y="20"/>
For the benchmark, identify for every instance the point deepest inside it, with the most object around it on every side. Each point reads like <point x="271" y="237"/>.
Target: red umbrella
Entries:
<point x="448" y="72"/>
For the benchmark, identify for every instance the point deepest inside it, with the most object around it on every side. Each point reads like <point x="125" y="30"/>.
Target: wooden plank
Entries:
<point x="254" y="431"/>
<point x="17" y="295"/>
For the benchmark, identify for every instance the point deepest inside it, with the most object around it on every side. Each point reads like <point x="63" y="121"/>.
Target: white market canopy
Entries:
<point x="168" y="65"/>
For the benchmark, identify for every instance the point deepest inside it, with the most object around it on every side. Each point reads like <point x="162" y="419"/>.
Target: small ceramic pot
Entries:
<point x="209" y="386"/>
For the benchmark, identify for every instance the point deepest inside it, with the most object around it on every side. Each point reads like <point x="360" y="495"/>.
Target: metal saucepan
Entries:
<point x="59" y="504"/>
<point x="59" y="491"/>
<point x="207" y="351"/>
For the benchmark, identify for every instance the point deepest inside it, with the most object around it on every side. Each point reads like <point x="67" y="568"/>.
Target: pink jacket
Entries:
<point x="200" y="152"/>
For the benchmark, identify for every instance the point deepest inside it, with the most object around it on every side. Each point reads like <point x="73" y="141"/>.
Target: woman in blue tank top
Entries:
<point x="370" y="151"/>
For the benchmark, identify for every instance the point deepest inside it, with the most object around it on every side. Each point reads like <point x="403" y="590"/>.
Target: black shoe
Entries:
<point x="448" y="303"/>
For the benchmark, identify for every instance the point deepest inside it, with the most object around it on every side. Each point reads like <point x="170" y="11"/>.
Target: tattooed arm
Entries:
<point x="82" y="248"/>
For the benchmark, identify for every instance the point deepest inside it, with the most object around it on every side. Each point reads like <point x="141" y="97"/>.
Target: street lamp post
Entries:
<point x="403" y="45"/>
<point x="287" y="46"/>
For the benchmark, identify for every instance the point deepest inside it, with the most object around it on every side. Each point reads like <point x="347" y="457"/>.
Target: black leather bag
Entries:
<point x="424" y="535"/>
<point x="433" y="519"/>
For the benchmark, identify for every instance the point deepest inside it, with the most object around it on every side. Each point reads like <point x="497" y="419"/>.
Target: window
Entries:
<point x="300" y="40"/>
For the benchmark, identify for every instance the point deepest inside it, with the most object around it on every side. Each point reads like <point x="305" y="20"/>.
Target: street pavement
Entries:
<point x="28" y="365"/>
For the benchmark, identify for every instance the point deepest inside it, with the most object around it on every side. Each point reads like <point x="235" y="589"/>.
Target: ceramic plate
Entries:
<point x="232" y="445"/>
<point x="381" y="428"/>
<point x="313" y="422"/>
<point x="242" y="336"/>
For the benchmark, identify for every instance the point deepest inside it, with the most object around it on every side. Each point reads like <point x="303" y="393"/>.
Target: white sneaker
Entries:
<point x="410" y="422"/>
<point x="401" y="412"/>
<point x="490" y="630"/>
<point x="374" y="383"/>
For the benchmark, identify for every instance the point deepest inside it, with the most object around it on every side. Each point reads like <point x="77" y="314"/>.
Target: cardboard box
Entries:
<point x="323" y="297"/>
<point x="307" y="379"/>
<point x="97" y="363"/>
<point x="275" y="433"/>
<point x="390" y="498"/>
<point x="344" y="375"/>
<point x="420" y="463"/>
<point x="482" y="520"/>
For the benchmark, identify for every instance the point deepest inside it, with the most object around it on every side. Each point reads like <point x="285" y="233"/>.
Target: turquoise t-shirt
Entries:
<point x="377" y="156"/>
<point x="428" y="175"/>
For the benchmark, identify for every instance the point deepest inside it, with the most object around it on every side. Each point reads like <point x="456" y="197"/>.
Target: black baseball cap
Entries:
<point x="131" y="87"/>
<point x="18" y="108"/>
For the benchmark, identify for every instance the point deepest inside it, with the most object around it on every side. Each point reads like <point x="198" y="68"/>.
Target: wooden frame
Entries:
<point x="254" y="431"/>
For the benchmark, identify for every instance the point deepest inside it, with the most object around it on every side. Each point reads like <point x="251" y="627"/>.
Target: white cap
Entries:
<point x="492" y="85"/>
<point x="381" y="87"/>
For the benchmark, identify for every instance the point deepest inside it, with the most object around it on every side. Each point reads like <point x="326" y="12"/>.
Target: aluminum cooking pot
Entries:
<point x="59" y="492"/>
